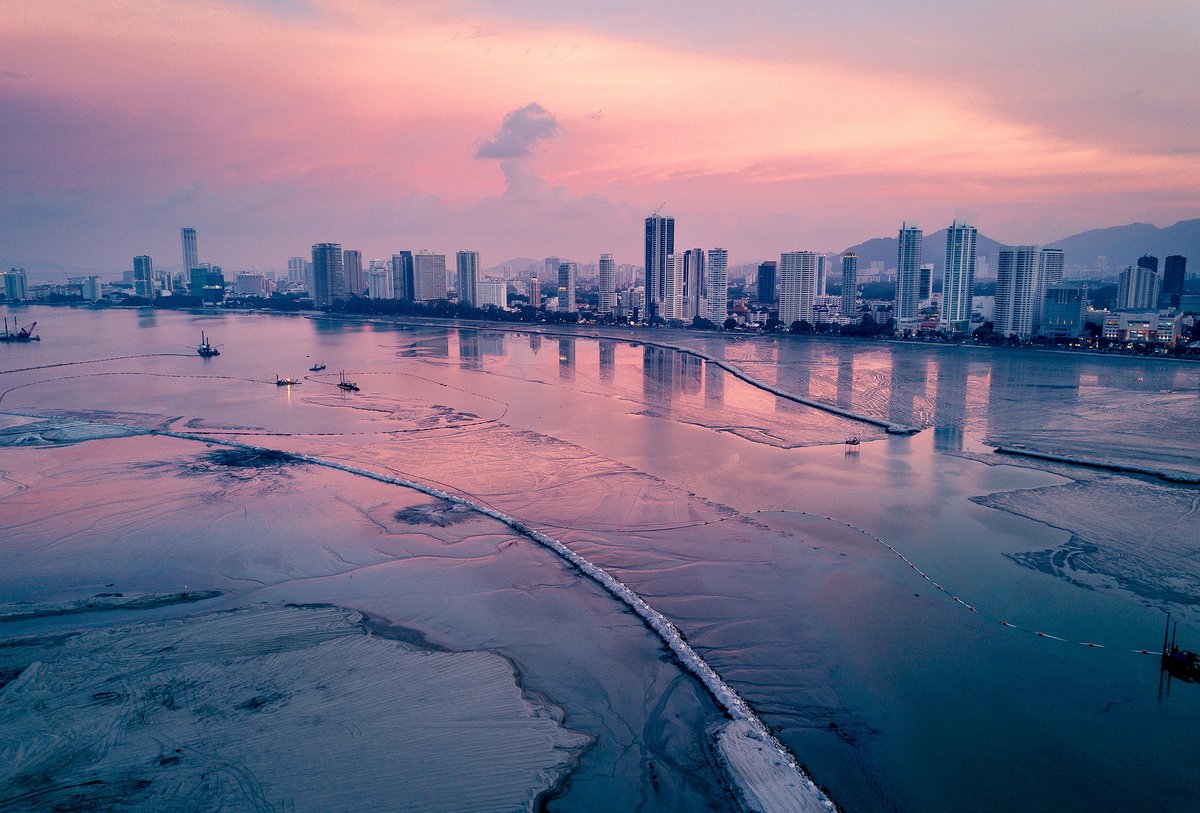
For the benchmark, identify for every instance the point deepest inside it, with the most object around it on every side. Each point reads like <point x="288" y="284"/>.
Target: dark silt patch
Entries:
<point x="440" y="513"/>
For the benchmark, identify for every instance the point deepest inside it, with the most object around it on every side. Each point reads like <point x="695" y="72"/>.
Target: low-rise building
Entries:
<point x="1148" y="327"/>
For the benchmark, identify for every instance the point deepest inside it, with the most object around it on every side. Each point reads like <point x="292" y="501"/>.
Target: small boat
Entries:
<point x="1181" y="664"/>
<point x="348" y="386"/>
<point x="24" y="334"/>
<point x="316" y="368"/>
<point x="285" y="382"/>
<point x="205" y="349"/>
<point x="852" y="441"/>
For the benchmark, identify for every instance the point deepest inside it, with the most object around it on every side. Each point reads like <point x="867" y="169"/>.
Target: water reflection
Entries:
<point x="845" y="380"/>
<point x="659" y="373"/>
<point x="608" y="355"/>
<point x="950" y="404"/>
<point x="714" y="385"/>
<point x="535" y="342"/>
<point x="566" y="359"/>
<point x="907" y="380"/>
<point x="468" y="349"/>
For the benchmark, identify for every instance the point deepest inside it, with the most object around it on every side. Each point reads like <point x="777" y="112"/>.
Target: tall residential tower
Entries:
<point x="660" y="244"/>
<point x="958" y="277"/>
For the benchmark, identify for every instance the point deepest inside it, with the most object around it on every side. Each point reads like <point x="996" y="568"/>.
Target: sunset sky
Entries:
<point x="534" y="128"/>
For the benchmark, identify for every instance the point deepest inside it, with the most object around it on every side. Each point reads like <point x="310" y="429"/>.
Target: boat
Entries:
<point x="24" y="334"/>
<point x="316" y="368"/>
<point x="852" y="441"/>
<point x="1181" y="664"/>
<point x="285" y="382"/>
<point x="205" y="349"/>
<point x="348" y="386"/>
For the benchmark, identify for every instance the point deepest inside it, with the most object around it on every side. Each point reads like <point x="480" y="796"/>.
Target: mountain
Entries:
<point x="1121" y="245"/>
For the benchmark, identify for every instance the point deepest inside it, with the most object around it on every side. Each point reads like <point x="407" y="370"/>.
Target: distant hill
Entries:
<point x="1122" y="245"/>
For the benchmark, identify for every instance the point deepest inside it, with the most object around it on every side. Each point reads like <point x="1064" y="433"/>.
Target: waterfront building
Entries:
<point x="717" y="286"/>
<point x="328" y="274"/>
<point x="353" y="270"/>
<point x="190" y="258"/>
<point x="1138" y="287"/>
<point x="608" y="285"/>
<point x="925" y="286"/>
<point x="295" y="266"/>
<point x="403" y="269"/>
<point x="766" y="282"/>
<point x="958" y="277"/>
<point x="429" y="276"/>
<point x="849" y="304"/>
<point x="91" y="289"/>
<point x="567" y="274"/>
<point x="249" y="283"/>
<point x="694" y="283"/>
<point x="1149" y="327"/>
<point x="908" y="278"/>
<point x="535" y="292"/>
<point x="16" y="285"/>
<point x="1062" y="311"/>
<point x="1051" y="268"/>
<point x="671" y="306"/>
<point x="467" y="267"/>
<point x="379" y="284"/>
<point x="143" y="276"/>
<point x="1016" y="287"/>
<point x="797" y="286"/>
<point x="821" y="281"/>
<point x="492" y="292"/>
<point x="1174" y="274"/>
<point x="660" y="245"/>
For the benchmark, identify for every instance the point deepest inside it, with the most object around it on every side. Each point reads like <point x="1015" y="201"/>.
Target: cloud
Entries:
<point x="522" y="128"/>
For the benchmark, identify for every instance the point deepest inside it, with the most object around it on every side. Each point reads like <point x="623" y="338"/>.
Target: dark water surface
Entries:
<point x="740" y="515"/>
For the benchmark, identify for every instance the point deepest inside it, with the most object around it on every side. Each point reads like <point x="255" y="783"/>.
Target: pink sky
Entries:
<point x="270" y="125"/>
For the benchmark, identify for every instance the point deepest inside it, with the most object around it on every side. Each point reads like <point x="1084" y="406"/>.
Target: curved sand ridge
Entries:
<point x="760" y="766"/>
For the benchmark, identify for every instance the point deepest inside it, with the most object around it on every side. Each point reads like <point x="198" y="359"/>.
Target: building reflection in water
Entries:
<point x="691" y="374"/>
<point x="468" y="349"/>
<point x="714" y="385"/>
<point x="845" y="380"/>
<point x="907" y="380"/>
<point x="608" y="359"/>
<point x="660" y="372"/>
<point x="566" y="359"/>
<point x="491" y="343"/>
<point x="438" y="345"/>
<point x="535" y="342"/>
<point x="950" y="403"/>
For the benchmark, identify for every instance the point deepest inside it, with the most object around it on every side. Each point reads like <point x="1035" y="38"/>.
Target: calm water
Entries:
<point x="740" y="515"/>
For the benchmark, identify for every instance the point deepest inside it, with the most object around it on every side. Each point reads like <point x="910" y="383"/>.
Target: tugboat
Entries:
<point x="24" y="334"/>
<point x="1181" y="664"/>
<point x="285" y="382"/>
<point x="205" y="349"/>
<point x="348" y="386"/>
<point x="316" y="368"/>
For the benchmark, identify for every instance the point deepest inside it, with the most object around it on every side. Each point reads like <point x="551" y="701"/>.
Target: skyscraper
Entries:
<point x="797" y="286"/>
<point x="1016" y="287"/>
<point x="1050" y="272"/>
<point x="567" y="273"/>
<point x="766" y="282"/>
<point x="1138" y="288"/>
<point x="16" y="285"/>
<point x="671" y="306"/>
<point x="822" y="280"/>
<point x="717" y="286"/>
<point x="467" y="267"/>
<point x="608" y="285"/>
<point x="143" y="277"/>
<point x="352" y="263"/>
<point x="908" y="278"/>
<point x="958" y="277"/>
<point x="660" y="244"/>
<point x="190" y="258"/>
<point x="295" y="269"/>
<point x="1174" y="274"/>
<point x="694" y="284"/>
<point x="535" y="292"/>
<point x="327" y="273"/>
<point x="404" y="284"/>
<point x="429" y="276"/>
<point x="1149" y="262"/>
<point x="850" y="286"/>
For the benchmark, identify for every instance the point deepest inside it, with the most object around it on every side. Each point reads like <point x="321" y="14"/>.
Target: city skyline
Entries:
<point x="524" y="115"/>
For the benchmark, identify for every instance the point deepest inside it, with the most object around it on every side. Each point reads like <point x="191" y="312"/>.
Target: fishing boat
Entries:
<point x="348" y="386"/>
<point x="285" y="382"/>
<point x="316" y="368"/>
<point x="852" y="441"/>
<point x="16" y="334"/>
<point x="1181" y="664"/>
<point x="205" y="349"/>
